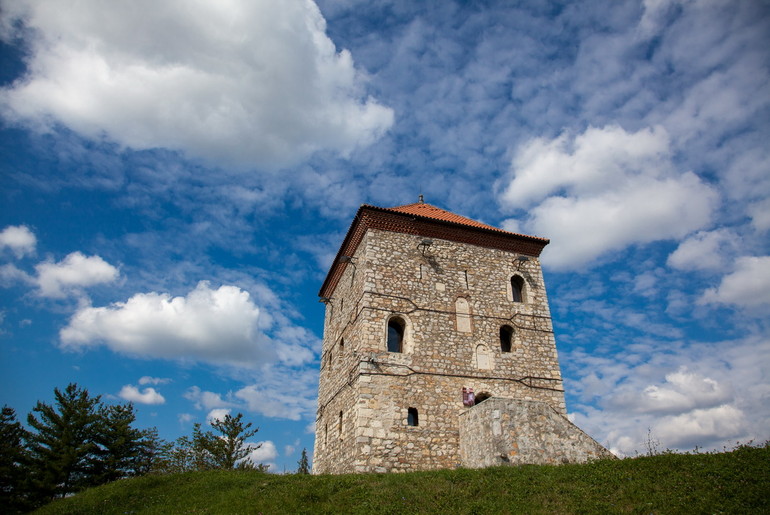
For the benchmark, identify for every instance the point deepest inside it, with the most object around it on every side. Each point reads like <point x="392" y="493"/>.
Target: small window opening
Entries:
<point x="482" y="396"/>
<point x="506" y="338"/>
<point x="396" y="335"/>
<point x="342" y="345"/>
<point x="412" y="418"/>
<point x="517" y="288"/>
<point x="340" y="426"/>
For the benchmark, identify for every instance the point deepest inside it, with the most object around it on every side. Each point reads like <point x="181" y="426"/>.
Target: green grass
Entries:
<point x="732" y="482"/>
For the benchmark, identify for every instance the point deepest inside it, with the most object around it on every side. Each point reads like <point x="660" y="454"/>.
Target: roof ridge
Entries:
<point x="425" y="209"/>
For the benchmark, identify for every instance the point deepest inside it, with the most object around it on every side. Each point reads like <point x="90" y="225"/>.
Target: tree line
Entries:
<point x="79" y="442"/>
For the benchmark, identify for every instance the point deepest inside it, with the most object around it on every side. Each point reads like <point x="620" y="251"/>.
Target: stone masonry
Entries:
<point x="448" y="282"/>
<point x="515" y="432"/>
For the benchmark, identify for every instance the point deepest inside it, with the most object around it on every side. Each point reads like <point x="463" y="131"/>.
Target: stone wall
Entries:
<point x="507" y="431"/>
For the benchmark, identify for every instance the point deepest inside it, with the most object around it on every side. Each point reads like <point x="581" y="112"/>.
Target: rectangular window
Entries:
<point x="412" y="417"/>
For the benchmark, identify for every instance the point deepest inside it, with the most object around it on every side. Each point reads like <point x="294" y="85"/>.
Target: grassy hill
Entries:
<point x="732" y="482"/>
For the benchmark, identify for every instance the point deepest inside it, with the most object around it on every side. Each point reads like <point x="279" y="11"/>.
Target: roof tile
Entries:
<point x="430" y="211"/>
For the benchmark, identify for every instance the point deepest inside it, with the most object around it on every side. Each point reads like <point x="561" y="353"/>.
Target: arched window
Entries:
<point x="396" y="327"/>
<point x="412" y="419"/>
<point x="506" y="338"/>
<point x="517" y="288"/>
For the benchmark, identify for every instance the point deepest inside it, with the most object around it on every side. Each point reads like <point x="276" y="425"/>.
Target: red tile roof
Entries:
<point x="436" y="213"/>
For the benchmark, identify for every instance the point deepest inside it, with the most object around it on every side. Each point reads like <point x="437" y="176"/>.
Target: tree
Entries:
<point x="120" y="445"/>
<point x="206" y="450"/>
<point x="229" y="448"/>
<point x="62" y="444"/>
<point x="303" y="467"/>
<point x="13" y="460"/>
<point x="177" y="457"/>
<point x="153" y="451"/>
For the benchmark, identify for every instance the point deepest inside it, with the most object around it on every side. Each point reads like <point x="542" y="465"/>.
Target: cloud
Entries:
<point x="242" y="82"/>
<point x="216" y="326"/>
<point x="146" y="396"/>
<point x="74" y="272"/>
<point x="10" y="274"/>
<point x="153" y="380"/>
<point x="760" y="214"/>
<point x="700" y="425"/>
<point x="263" y="452"/>
<point x="206" y="400"/>
<point x="681" y="391"/>
<point x="185" y="418"/>
<point x="747" y="286"/>
<point x="282" y="392"/>
<point x="705" y="250"/>
<point x="217" y="414"/>
<point x="19" y="239"/>
<point x="709" y="394"/>
<point x="279" y="391"/>
<point x="603" y="190"/>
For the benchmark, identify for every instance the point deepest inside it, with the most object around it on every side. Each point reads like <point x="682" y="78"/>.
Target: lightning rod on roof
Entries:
<point x="420" y="198"/>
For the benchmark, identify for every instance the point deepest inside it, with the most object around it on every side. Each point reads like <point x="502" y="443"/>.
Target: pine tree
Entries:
<point x="153" y="452"/>
<point x="229" y="448"/>
<point x="120" y="444"/>
<point x="303" y="467"/>
<point x="13" y="462"/>
<point x="62" y="444"/>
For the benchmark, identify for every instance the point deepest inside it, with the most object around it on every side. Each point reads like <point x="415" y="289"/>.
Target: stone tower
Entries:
<point x="424" y="306"/>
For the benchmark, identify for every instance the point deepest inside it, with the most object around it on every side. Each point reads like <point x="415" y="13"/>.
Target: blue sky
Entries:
<point x="177" y="176"/>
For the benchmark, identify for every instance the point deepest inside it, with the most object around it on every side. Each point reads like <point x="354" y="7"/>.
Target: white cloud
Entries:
<point x="748" y="285"/>
<point x="153" y="380"/>
<point x="681" y="391"/>
<point x="282" y="393"/>
<point x="244" y="82"/>
<point x="19" y="239"/>
<point x="603" y="158"/>
<point x="73" y="273"/>
<point x="760" y="214"/>
<point x="705" y="394"/>
<point x="216" y="326"/>
<point x="10" y="274"/>
<point x="717" y="423"/>
<point x="288" y="450"/>
<point x="604" y="190"/>
<point x="206" y="400"/>
<point x="264" y="454"/>
<point x="217" y="414"/>
<point x="146" y="396"/>
<point x="705" y="250"/>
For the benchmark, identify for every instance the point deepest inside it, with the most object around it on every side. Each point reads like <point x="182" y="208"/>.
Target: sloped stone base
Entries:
<point x="502" y="431"/>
